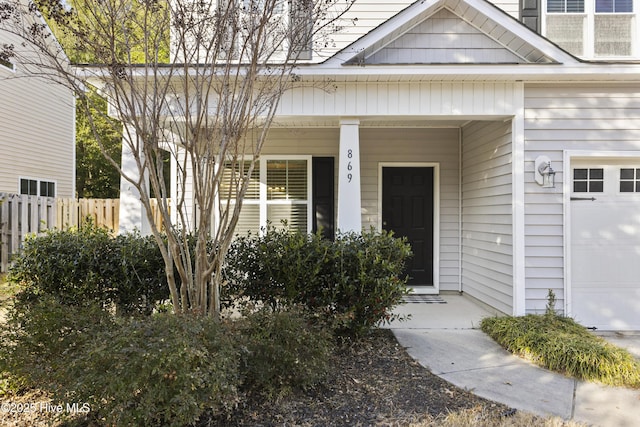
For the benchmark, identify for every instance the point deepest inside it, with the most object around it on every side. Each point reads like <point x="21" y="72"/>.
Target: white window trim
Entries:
<point x="589" y="29"/>
<point x="39" y="181"/>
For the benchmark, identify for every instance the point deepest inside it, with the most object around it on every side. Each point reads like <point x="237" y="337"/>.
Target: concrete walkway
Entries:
<point x="445" y="339"/>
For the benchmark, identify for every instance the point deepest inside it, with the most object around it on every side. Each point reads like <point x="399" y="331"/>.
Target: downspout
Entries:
<point x="460" y="209"/>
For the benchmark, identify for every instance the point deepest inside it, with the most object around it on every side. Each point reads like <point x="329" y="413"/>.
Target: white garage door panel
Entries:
<point x="605" y="254"/>
<point x="608" y="310"/>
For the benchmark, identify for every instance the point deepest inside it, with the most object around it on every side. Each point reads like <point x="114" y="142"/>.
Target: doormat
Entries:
<point x="424" y="299"/>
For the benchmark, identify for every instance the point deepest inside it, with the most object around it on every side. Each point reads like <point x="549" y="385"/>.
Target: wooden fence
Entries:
<point x="21" y="215"/>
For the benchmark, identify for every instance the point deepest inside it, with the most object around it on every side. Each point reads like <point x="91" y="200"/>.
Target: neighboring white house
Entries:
<point x="37" y="131"/>
<point x="448" y="121"/>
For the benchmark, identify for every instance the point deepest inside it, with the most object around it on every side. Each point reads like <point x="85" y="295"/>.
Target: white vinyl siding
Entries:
<point x="444" y="38"/>
<point x="512" y="7"/>
<point x="406" y="145"/>
<point x="487" y="221"/>
<point x="559" y="118"/>
<point x="36" y="132"/>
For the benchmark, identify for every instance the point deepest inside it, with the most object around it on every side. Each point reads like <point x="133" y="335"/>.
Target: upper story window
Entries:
<point x="593" y="29"/>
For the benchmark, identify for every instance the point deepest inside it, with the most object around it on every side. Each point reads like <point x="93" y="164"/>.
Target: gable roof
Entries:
<point x="452" y="32"/>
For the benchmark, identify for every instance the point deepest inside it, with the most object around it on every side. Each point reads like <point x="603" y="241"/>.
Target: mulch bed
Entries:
<point x="373" y="382"/>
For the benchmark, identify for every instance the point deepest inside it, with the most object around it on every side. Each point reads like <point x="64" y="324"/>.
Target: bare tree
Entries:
<point x="210" y="104"/>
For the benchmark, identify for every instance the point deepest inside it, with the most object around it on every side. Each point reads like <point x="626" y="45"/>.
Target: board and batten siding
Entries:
<point x="402" y="99"/>
<point x="417" y="145"/>
<point x="558" y="118"/>
<point x="487" y="220"/>
<point x="37" y="121"/>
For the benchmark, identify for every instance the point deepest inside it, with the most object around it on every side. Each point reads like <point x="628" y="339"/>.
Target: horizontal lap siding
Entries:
<point x="487" y="223"/>
<point x="416" y="145"/>
<point x="36" y="137"/>
<point x="559" y="118"/>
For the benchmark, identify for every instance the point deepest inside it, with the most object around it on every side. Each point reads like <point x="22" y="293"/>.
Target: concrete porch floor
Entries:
<point x="457" y="312"/>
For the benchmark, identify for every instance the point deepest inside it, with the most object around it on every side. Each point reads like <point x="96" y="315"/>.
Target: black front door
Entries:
<point x="407" y="210"/>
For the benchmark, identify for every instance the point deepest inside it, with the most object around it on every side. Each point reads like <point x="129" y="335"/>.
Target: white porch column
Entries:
<point x="132" y="212"/>
<point x="518" y="230"/>
<point x="349" y="197"/>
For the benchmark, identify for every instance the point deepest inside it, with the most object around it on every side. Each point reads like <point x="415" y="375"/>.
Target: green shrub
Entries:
<point x="38" y="340"/>
<point x="283" y="350"/>
<point x="560" y="344"/>
<point x="277" y="268"/>
<point x="156" y="370"/>
<point x="82" y="265"/>
<point x="367" y="280"/>
<point x="69" y="265"/>
<point x="355" y="281"/>
<point x="160" y="370"/>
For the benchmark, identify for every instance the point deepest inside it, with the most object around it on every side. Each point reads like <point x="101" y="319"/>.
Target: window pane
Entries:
<point x="603" y="6"/>
<point x="613" y="35"/>
<point x="249" y="219"/>
<point x="555" y="5"/>
<point x="233" y="172"/>
<point x="567" y="31"/>
<point x="595" y="186"/>
<point x="626" y="173"/>
<point x="580" y="173"/>
<point x="295" y="215"/>
<point x="286" y="180"/>
<point x="575" y="6"/>
<point x="29" y="187"/>
<point x="614" y="6"/>
<point x="47" y="189"/>
<point x="580" y="187"/>
<point x="626" y="186"/>
<point x="596" y="173"/>
<point x="623" y="6"/>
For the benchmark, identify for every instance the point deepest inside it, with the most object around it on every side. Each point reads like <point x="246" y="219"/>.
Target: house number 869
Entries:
<point x="349" y="167"/>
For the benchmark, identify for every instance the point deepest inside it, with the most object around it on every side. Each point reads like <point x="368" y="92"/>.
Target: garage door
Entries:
<point x="605" y="244"/>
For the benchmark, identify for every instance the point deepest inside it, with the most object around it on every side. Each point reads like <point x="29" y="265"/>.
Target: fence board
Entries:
<point x="21" y="215"/>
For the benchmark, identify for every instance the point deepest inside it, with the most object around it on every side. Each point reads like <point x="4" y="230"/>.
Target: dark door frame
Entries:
<point x="436" y="216"/>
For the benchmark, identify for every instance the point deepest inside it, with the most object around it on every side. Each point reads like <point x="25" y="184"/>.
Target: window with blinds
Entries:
<point x="287" y="193"/>
<point x="592" y="28"/>
<point x="279" y="190"/>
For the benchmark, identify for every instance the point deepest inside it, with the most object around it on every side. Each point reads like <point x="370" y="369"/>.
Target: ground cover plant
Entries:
<point x="559" y="343"/>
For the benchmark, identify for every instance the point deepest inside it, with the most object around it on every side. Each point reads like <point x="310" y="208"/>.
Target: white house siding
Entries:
<point x="512" y="7"/>
<point x="444" y="38"/>
<point x="487" y="251"/>
<point x="416" y="145"/>
<point x="561" y="118"/>
<point x="369" y="15"/>
<point x="37" y="120"/>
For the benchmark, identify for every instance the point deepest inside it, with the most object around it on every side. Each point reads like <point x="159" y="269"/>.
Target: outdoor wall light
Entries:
<point x="544" y="173"/>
